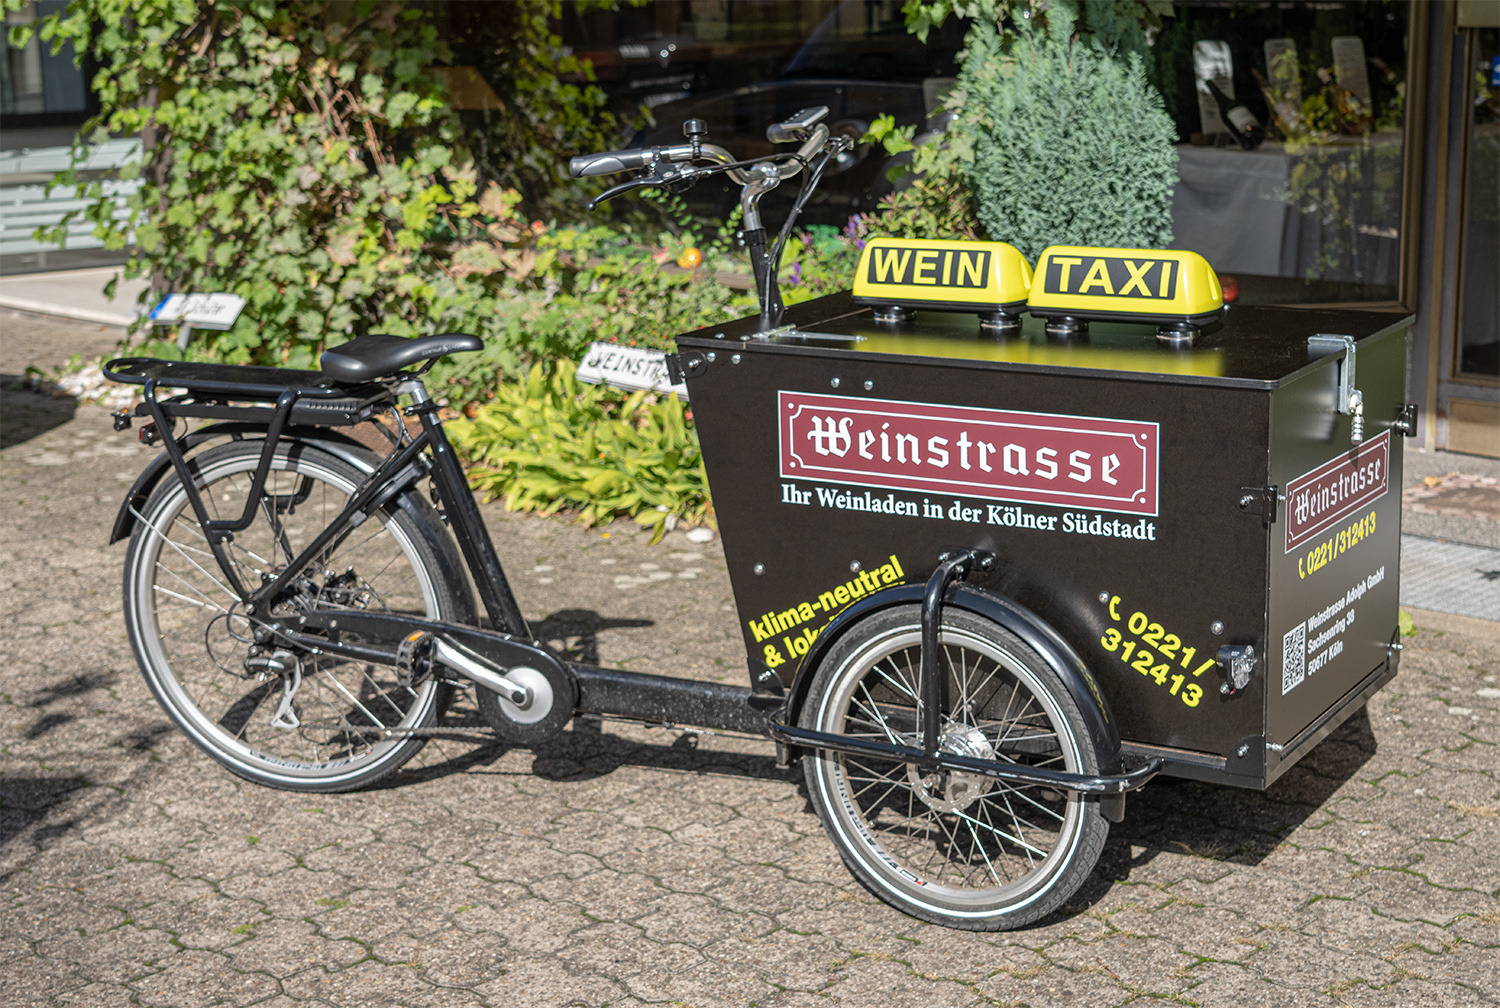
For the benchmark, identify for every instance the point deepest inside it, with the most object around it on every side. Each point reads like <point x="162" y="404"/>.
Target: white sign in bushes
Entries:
<point x="199" y="311"/>
<point x="627" y="367"/>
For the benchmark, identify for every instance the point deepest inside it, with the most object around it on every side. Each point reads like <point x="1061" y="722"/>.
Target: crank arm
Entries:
<point x="446" y="653"/>
<point x="478" y="655"/>
<point x="491" y="680"/>
<point x="1103" y="784"/>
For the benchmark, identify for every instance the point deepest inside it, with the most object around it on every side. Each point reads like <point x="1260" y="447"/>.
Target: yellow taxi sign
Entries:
<point x="950" y="275"/>
<point x="1126" y="285"/>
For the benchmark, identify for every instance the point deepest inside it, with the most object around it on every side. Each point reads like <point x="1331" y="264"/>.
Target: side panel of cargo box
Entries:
<point x="1335" y="552"/>
<point x="1137" y="593"/>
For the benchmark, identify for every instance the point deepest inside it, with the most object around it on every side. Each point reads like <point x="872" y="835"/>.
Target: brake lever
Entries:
<point x="672" y="179"/>
<point x="623" y="188"/>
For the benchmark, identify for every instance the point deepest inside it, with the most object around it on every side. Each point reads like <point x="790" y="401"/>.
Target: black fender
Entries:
<point x="339" y="445"/>
<point x="1025" y="624"/>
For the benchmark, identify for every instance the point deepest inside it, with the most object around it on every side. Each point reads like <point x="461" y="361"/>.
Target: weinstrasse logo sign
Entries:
<point x="1322" y="497"/>
<point x="1036" y="458"/>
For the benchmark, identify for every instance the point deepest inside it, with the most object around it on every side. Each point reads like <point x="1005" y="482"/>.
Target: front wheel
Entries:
<point x="290" y="719"/>
<point x="957" y="849"/>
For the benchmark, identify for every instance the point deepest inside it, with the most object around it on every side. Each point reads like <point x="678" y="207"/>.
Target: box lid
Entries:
<point x="1254" y="347"/>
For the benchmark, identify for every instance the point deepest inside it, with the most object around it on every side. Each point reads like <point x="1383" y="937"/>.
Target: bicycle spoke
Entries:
<point x="196" y="645"/>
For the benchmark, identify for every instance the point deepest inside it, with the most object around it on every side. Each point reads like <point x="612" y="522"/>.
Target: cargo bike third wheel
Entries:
<point x="958" y="849"/>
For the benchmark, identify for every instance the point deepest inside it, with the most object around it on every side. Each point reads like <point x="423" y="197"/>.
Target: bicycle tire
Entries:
<point x="327" y="726"/>
<point x="965" y="851"/>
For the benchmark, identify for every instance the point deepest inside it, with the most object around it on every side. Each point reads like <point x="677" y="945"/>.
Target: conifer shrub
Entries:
<point x="1072" y="145"/>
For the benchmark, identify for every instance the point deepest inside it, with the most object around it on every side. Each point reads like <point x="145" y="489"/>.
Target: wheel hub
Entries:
<point x="954" y="791"/>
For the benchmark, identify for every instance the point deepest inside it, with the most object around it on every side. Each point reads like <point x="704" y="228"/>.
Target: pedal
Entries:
<point x="414" y="657"/>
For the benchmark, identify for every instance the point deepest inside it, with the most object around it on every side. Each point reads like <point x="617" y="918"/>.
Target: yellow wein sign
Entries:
<point x="951" y="275"/>
<point x="1127" y="285"/>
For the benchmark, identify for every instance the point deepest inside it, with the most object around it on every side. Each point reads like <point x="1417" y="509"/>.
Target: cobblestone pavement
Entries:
<point x="637" y="866"/>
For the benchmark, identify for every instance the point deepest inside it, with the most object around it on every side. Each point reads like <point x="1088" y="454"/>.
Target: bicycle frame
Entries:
<point x="428" y="449"/>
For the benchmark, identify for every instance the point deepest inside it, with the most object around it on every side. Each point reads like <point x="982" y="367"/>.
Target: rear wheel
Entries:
<point x="271" y="713"/>
<point x="962" y="850"/>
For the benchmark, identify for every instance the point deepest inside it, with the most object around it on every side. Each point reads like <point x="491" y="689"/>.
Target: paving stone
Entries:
<point x="546" y="982"/>
<point x="1056" y="986"/>
<point x="636" y="866"/>
<point x="203" y="978"/>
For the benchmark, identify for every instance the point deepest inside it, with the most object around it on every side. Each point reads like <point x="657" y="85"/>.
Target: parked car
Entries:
<point x="859" y="76"/>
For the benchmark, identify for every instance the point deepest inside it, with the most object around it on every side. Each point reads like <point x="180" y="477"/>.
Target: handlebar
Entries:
<point x="608" y="162"/>
<point x="646" y="158"/>
<point x="673" y="167"/>
<point x="803" y="125"/>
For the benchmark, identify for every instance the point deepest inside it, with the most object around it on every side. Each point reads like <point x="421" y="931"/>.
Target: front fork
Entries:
<point x="953" y="566"/>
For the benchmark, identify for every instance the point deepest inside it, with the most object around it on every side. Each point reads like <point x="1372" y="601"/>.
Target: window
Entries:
<point x="1479" y="312"/>
<point x="1311" y="213"/>
<point x="35" y="85"/>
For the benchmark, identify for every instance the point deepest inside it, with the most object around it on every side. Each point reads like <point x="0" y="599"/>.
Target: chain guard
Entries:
<point x="554" y="694"/>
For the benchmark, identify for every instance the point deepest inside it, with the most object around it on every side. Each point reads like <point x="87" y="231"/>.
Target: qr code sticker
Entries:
<point x="1293" y="657"/>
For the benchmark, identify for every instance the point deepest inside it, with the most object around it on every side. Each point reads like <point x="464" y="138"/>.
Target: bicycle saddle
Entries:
<point x="380" y="355"/>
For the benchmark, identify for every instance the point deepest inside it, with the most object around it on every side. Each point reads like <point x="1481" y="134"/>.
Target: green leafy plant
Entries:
<point x="933" y="198"/>
<point x="1405" y="623"/>
<point x="305" y="155"/>
<point x="1056" y="136"/>
<point x="552" y="443"/>
<point x="1071" y="143"/>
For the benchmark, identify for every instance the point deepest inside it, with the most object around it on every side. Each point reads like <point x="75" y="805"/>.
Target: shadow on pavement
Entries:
<point x="24" y="414"/>
<point x="585" y="752"/>
<point x="25" y="801"/>
<point x="1227" y="824"/>
<point x="574" y="633"/>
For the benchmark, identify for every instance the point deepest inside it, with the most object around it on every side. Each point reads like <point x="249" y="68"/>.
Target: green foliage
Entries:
<point x="1115" y="22"/>
<point x="304" y="155"/>
<point x="934" y="199"/>
<point x="548" y="111"/>
<point x="817" y="261"/>
<point x="551" y="443"/>
<point x="1071" y="144"/>
<point x="612" y="285"/>
<point x="1056" y="136"/>
<point x="1405" y="623"/>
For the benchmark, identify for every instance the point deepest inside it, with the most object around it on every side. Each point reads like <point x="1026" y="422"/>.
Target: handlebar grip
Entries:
<point x="796" y="127"/>
<point x="609" y="162"/>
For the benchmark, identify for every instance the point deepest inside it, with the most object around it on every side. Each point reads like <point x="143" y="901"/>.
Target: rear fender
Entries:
<point x="338" y="445"/>
<point x="1025" y="624"/>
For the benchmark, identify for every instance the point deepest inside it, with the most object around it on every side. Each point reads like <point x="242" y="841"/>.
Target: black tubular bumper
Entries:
<point x="1107" y="784"/>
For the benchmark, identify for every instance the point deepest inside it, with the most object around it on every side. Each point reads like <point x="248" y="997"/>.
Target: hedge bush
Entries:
<point x="552" y="443"/>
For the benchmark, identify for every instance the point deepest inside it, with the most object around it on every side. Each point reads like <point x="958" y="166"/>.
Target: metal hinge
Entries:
<point x="1261" y="500"/>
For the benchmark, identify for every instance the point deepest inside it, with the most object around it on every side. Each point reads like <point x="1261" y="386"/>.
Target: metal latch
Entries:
<point x="1261" y="500"/>
<point x="1236" y="662"/>
<point x="1351" y="401"/>
<point x="1406" y="420"/>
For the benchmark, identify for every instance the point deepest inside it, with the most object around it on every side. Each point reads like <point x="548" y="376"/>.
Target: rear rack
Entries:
<point x="277" y="396"/>
<point x="236" y="392"/>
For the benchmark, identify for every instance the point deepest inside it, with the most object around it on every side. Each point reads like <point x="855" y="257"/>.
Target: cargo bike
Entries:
<point x="1005" y="543"/>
